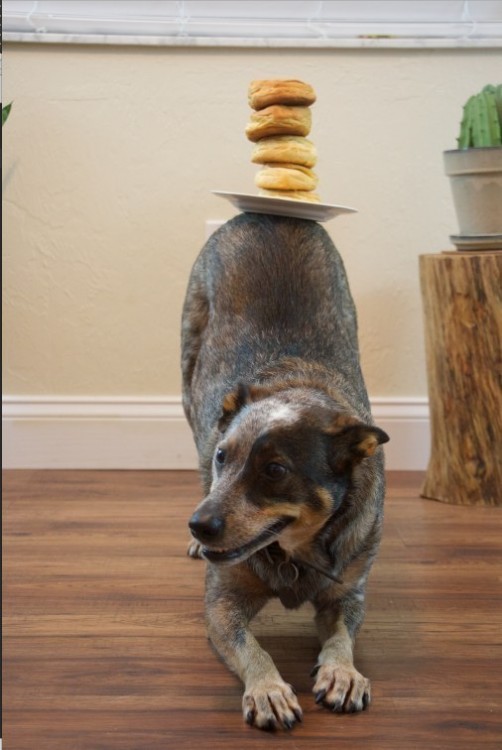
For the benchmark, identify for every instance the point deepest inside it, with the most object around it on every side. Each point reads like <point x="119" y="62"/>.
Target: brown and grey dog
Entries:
<point x="290" y="459"/>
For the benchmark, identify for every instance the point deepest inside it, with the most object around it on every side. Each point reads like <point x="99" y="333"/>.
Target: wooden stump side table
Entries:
<point x="462" y="306"/>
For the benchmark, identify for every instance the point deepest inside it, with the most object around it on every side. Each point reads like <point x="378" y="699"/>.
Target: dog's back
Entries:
<point x="263" y="289"/>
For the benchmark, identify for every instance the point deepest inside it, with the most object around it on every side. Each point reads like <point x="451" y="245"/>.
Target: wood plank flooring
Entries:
<point x="104" y="636"/>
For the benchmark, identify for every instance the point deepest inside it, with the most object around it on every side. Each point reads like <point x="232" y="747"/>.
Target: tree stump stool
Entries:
<point x="462" y="304"/>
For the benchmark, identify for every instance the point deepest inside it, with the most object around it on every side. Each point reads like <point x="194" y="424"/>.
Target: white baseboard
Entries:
<point x="151" y="433"/>
<point x="406" y="421"/>
<point x="96" y="433"/>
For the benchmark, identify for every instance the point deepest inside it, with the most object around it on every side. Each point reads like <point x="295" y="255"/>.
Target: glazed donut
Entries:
<point x="285" y="148"/>
<point x="279" y="120"/>
<point x="280" y="91"/>
<point x="295" y="195"/>
<point x="286" y="177"/>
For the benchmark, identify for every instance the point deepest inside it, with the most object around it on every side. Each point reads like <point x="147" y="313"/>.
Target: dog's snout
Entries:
<point x="206" y="527"/>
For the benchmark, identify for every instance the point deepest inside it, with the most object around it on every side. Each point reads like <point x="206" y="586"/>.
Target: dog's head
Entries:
<point x="281" y="469"/>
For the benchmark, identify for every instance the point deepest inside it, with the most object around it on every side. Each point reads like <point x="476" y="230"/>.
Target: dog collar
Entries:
<point x="289" y="569"/>
<point x="317" y="568"/>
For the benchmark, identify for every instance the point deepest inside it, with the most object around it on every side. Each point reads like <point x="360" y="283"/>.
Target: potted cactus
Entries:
<point x="475" y="171"/>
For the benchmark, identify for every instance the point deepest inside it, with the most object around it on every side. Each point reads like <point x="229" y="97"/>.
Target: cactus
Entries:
<point x="497" y="92"/>
<point x="482" y="120"/>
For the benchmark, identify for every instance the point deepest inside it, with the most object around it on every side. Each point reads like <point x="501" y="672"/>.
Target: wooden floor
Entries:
<point x="105" y="646"/>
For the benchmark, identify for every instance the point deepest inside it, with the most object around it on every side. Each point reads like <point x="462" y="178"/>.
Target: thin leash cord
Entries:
<point x="318" y="570"/>
<point x="295" y="562"/>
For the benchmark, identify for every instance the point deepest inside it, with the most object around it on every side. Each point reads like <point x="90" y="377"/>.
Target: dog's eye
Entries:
<point x="220" y="456"/>
<point x="275" y="470"/>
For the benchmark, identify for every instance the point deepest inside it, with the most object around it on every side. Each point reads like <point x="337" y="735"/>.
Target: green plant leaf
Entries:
<point x="5" y="113"/>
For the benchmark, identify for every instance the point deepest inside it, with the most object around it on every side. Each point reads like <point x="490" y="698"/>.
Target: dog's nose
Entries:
<point x="206" y="527"/>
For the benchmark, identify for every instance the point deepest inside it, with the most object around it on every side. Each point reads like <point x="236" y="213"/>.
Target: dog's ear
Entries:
<point x="232" y="403"/>
<point x="354" y="442"/>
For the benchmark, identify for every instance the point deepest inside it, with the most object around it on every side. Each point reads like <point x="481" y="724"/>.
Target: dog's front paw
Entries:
<point x="270" y="705"/>
<point x="194" y="550"/>
<point x="342" y="689"/>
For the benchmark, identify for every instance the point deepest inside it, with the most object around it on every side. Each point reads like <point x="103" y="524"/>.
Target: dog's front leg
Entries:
<point x="232" y="600"/>
<point x="339" y="686"/>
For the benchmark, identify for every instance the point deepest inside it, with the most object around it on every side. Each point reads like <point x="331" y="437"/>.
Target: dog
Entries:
<point x="290" y="460"/>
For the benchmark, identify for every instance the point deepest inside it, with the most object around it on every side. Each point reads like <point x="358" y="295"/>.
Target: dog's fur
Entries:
<point x="289" y="457"/>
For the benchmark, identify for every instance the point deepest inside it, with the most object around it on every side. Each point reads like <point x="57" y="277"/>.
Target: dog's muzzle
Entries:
<point x="207" y="529"/>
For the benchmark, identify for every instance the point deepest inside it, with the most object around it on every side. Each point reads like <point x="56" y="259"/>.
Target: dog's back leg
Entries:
<point x="194" y="322"/>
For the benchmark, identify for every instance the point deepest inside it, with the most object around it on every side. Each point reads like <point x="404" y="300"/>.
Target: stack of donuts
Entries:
<point x="278" y="126"/>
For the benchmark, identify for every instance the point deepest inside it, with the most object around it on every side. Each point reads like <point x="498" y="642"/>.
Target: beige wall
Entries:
<point x="109" y="158"/>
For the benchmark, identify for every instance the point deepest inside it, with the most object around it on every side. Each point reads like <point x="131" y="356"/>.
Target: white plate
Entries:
<point x="262" y="204"/>
<point x="477" y="241"/>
